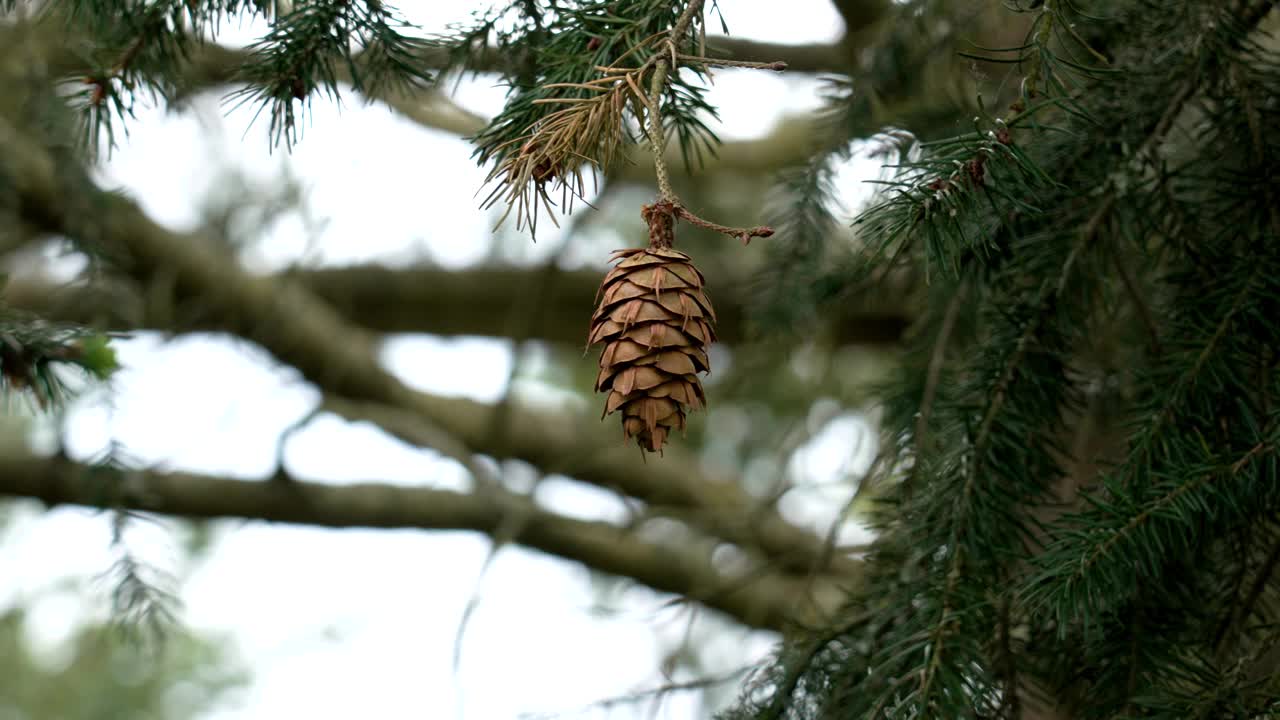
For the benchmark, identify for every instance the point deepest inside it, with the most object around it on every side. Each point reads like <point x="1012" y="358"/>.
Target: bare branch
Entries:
<point x="765" y="599"/>
<point x="860" y="14"/>
<point x="301" y="330"/>
<point x="815" y="58"/>
<point x="478" y="301"/>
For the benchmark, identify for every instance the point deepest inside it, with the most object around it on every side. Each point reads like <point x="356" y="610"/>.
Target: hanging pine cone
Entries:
<point x="655" y="321"/>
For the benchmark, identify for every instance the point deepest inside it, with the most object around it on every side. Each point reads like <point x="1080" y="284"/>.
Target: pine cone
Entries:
<point x="656" y="323"/>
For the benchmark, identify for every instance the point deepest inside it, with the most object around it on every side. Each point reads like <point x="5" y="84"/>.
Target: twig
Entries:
<point x="657" y="136"/>
<point x="1155" y="508"/>
<point x="1144" y="310"/>
<point x="1259" y="149"/>
<point x="508" y="531"/>
<point x="743" y="234"/>
<point x="935" y="365"/>
<point x="787" y="685"/>
<point x="101" y="83"/>
<point x="413" y="428"/>
<point x="287" y="434"/>
<point x="131" y="52"/>
<point x="590" y="129"/>
<point x="702" y="683"/>
<point x="1246" y="607"/>
<point x="776" y="66"/>
<point x="1012" y="704"/>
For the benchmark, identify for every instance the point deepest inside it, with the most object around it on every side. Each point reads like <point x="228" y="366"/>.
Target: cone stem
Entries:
<point x="657" y="134"/>
<point x="661" y="219"/>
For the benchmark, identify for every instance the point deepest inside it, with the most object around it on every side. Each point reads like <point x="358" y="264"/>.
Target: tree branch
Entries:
<point x="303" y="331"/>
<point x="765" y="599"/>
<point x="476" y="301"/>
<point x="860" y="14"/>
<point x="809" y="58"/>
<point x="790" y="143"/>
<point x="211" y="65"/>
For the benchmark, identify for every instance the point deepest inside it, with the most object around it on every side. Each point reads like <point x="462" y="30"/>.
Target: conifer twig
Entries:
<point x="935" y="363"/>
<point x="588" y="128"/>
<point x="743" y="234"/>
<point x="1247" y="607"/>
<point x="657" y="136"/>
<point x="1154" y="509"/>
<point x="1144" y="310"/>
<point x="777" y="65"/>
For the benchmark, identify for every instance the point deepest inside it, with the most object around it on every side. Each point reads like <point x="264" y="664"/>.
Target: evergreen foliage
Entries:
<point x="582" y="89"/>
<point x="1078" y="491"/>
<point x="32" y="351"/>
<point x="1079" y="486"/>
<point x="91" y="676"/>
<point x="138" y="46"/>
<point x="301" y="54"/>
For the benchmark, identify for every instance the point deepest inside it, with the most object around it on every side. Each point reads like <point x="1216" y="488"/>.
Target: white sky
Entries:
<point x="356" y="623"/>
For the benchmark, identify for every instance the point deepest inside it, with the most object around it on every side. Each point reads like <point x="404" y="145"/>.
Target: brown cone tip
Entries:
<point x="655" y="322"/>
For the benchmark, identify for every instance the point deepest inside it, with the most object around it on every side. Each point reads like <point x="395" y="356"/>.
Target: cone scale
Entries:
<point x="655" y="322"/>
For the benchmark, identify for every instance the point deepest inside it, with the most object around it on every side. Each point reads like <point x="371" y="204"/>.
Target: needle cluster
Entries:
<point x="1079" y="483"/>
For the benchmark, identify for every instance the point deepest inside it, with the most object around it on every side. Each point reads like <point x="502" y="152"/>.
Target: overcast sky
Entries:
<point x="356" y="623"/>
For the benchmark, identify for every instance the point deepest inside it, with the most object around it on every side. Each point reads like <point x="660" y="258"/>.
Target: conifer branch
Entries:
<point x="971" y="175"/>
<point x="775" y="65"/>
<point x="743" y="234"/>
<point x="33" y="353"/>
<point x="1167" y="412"/>
<point x="936" y="359"/>
<point x="1024" y="217"/>
<point x="1151" y="510"/>
<point x="657" y="133"/>
<point x="998" y="395"/>
<point x="588" y="129"/>
<point x="1144" y="310"/>
<point x="1012" y="702"/>
<point x="1260" y="149"/>
<point x="143" y="604"/>
<point x="1247" y="607"/>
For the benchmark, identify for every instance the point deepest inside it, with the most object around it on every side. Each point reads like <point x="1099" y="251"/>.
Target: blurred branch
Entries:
<point x="477" y="301"/>
<point x="764" y="599"/>
<point x="414" y="430"/>
<point x="808" y="58"/>
<point x="303" y="331"/>
<point x="211" y="65"/>
<point x="862" y="22"/>
<point x="860" y="14"/>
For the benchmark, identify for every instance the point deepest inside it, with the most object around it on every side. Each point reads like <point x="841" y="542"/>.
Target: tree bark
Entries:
<point x="762" y="598"/>
<point x="479" y="301"/>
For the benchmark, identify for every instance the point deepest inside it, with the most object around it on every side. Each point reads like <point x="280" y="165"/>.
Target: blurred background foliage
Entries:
<point x="95" y="674"/>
